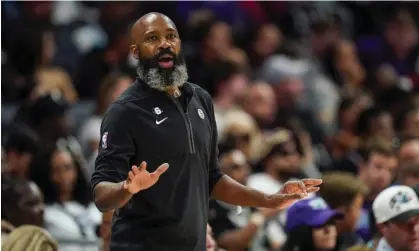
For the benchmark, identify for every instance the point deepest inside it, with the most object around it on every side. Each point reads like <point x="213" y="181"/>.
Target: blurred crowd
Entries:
<point x="300" y="89"/>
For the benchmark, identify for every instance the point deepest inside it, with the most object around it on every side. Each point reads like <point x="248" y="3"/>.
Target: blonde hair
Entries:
<point x="31" y="238"/>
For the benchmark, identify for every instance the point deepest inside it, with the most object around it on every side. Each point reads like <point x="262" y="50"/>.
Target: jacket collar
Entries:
<point x="145" y="89"/>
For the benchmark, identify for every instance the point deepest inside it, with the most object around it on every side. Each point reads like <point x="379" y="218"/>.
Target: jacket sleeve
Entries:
<point x="116" y="147"/>
<point x="214" y="168"/>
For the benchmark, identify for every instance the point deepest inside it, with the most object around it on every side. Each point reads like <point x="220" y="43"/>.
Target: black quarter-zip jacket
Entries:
<point x="144" y="124"/>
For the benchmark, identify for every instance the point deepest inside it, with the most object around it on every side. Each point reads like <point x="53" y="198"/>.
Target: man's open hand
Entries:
<point x="139" y="178"/>
<point x="293" y="191"/>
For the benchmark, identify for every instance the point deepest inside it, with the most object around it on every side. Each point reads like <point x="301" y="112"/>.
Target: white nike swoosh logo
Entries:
<point x="161" y="121"/>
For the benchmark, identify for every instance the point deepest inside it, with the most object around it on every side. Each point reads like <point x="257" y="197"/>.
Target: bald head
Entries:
<point x="141" y="26"/>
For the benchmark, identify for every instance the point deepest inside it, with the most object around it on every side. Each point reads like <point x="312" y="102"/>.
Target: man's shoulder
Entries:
<point x="200" y="91"/>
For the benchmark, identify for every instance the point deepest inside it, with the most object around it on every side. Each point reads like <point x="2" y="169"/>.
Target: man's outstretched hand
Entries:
<point x="293" y="191"/>
<point x="139" y="178"/>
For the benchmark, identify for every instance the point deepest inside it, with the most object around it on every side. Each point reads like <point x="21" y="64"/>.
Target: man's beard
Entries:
<point x="160" y="78"/>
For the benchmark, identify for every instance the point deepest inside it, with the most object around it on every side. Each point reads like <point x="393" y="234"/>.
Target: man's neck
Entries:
<point x="174" y="91"/>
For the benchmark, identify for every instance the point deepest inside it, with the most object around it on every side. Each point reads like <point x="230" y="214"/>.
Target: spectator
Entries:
<point x="408" y="174"/>
<point x="29" y="238"/>
<point x="409" y="152"/>
<point x="267" y="41"/>
<point x="311" y="226"/>
<point x="20" y="149"/>
<point x="241" y="132"/>
<point x="22" y="202"/>
<point x="237" y="228"/>
<point x="280" y="161"/>
<point x="70" y="215"/>
<point x="260" y="103"/>
<point x="49" y="116"/>
<point x="396" y="210"/>
<point x="374" y="122"/>
<point x="112" y="87"/>
<point x="345" y="193"/>
<point x="410" y="127"/>
<point x="231" y="85"/>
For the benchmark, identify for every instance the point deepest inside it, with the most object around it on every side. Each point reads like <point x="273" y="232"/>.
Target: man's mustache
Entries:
<point x="164" y="52"/>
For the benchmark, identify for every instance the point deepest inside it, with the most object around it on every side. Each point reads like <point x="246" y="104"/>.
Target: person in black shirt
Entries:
<point x="162" y="118"/>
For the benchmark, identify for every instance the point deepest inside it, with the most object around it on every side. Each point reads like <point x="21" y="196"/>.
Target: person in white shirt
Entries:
<point x="70" y="216"/>
<point x="396" y="210"/>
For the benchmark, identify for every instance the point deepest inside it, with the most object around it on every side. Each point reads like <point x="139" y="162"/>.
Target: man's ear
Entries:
<point x="135" y="52"/>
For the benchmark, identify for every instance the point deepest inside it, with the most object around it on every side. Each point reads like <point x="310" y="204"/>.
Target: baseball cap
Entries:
<point x="312" y="212"/>
<point x="396" y="203"/>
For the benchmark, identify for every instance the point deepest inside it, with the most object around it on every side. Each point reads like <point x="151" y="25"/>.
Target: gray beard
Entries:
<point x="156" y="79"/>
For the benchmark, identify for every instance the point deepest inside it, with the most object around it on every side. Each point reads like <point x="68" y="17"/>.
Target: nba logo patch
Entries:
<point x="201" y="114"/>
<point x="105" y="140"/>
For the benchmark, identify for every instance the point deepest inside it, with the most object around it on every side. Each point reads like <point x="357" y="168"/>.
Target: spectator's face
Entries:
<point x="289" y="91"/>
<point x="322" y="40"/>
<point x="235" y="165"/>
<point x="402" y="236"/>
<point x="237" y="86"/>
<point x="219" y="39"/>
<point x="348" y="63"/>
<point x="63" y="173"/>
<point x="240" y="135"/>
<point x="382" y="126"/>
<point x="350" y="115"/>
<point x="268" y="40"/>
<point x="409" y="152"/>
<point x="402" y="35"/>
<point x="289" y="160"/>
<point x="261" y="103"/>
<point x="29" y="208"/>
<point x="18" y="163"/>
<point x="411" y="179"/>
<point x="211" y="244"/>
<point x="325" y="238"/>
<point x="379" y="171"/>
<point x="411" y="125"/>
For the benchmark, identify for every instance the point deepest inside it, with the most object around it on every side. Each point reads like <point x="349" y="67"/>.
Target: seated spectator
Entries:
<point x="260" y="102"/>
<point x="409" y="152"/>
<point x="112" y="87"/>
<point x="31" y="238"/>
<point x="241" y="132"/>
<point x="241" y="228"/>
<point x="49" y="117"/>
<point x="22" y="203"/>
<point x="281" y="161"/>
<point x="231" y="85"/>
<point x="408" y="174"/>
<point x="396" y="211"/>
<point x="311" y="226"/>
<point x="20" y="148"/>
<point x="375" y="122"/>
<point x="70" y="215"/>
<point x="345" y="193"/>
